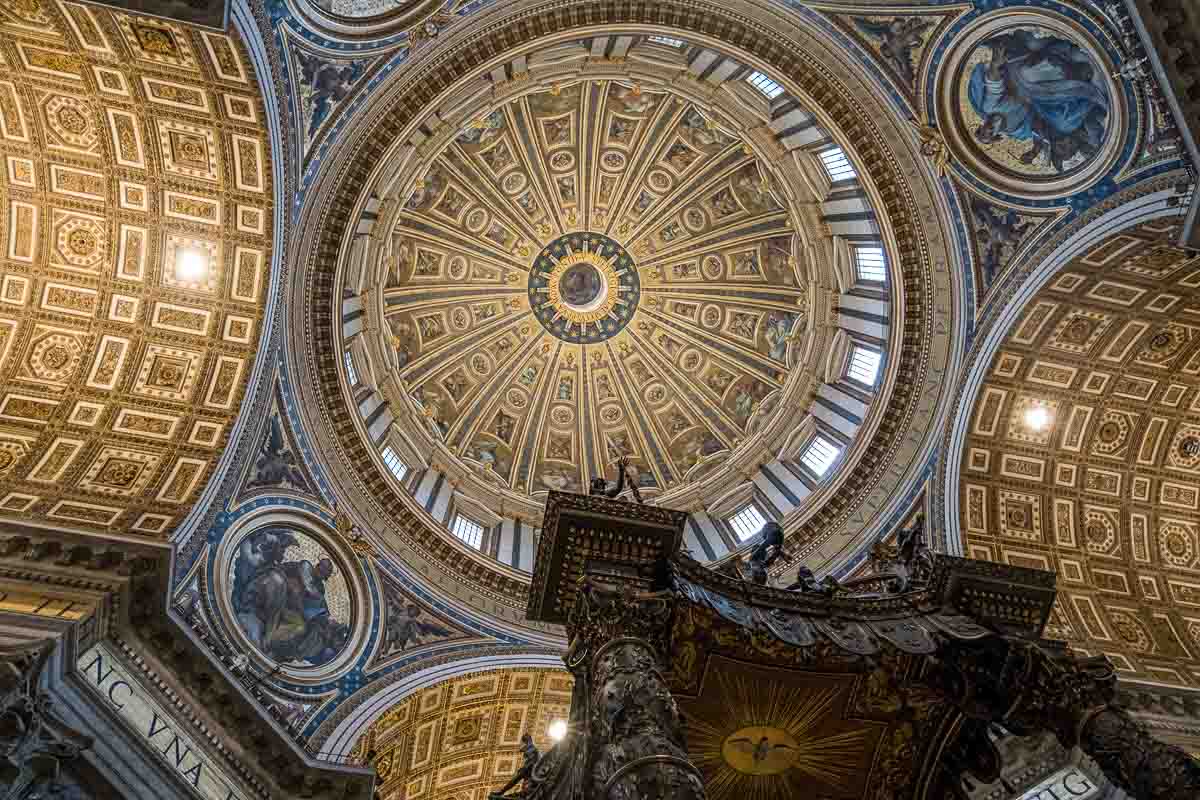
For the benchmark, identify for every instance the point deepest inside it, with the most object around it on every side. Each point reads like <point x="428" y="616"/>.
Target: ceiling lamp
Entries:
<point x="191" y="265"/>
<point x="1037" y="418"/>
<point x="557" y="729"/>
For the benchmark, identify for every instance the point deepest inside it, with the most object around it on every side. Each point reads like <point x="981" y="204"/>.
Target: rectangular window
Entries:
<point x="350" y="373"/>
<point x="868" y="261"/>
<point x="747" y="522"/>
<point x="667" y="40"/>
<point x="764" y="84"/>
<point x="864" y="365"/>
<point x="820" y="455"/>
<point x="837" y="165"/>
<point x="468" y="530"/>
<point x="394" y="464"/>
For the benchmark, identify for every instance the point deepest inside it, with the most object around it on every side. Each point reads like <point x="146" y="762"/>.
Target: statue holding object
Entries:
<point x="524" y="775"/>
<point x="600" y="485"/>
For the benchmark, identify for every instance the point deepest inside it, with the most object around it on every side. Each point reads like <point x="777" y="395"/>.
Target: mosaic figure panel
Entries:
<point x="1028" y="104"/>
<point x="289" y="597"/>
<point x="1036" y="102"/>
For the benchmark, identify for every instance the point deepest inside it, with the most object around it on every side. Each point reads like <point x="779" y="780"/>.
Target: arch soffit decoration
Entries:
<point x="1144" y="202"/>
<point x="1102" y="489"/>
<point x="342" y="733"/>
<point x="785" y="49"/>
<point x="470" y="724"/>
<point x="245" y="434"/>
<point x="146" y="393"/>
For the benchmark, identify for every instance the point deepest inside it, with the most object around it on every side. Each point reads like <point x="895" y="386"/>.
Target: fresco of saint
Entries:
<point x="281" y="605"/>
<point x="1044" y="90"/>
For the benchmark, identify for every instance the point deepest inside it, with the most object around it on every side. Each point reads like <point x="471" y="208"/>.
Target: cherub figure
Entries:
<point x="933" y="145"/>
<point x="410" y="628"/>
<point x="898" y="39"/>
<point x="999" y="233"/>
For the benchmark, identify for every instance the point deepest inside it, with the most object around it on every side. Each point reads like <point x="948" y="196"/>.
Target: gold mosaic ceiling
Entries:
<point x="461" y="738"/>
<point x="1083" y="454"/>
<point x="137" y="198"/>
<point x="589" y="272"/>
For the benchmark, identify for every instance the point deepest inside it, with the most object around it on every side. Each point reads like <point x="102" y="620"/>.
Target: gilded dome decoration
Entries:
<point x="615" y="205"/>
<point x="475" y="344"/>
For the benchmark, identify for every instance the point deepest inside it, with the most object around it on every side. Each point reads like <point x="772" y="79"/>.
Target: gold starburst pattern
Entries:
<point x="765" y="733"/>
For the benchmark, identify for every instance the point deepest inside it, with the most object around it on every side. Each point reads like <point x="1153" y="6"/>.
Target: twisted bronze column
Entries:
<point x="636" y="744"/>
<point x="1030" y="686"/>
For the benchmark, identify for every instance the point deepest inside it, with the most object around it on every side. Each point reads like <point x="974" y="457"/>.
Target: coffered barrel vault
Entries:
<point x="138" y="202"/>
<point x="461" y="738"/>
<point x="1083" y="453"/>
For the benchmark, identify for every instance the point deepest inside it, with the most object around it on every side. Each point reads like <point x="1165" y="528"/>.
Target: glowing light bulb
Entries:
<point x="191" y="265"/>
<point x="1037" y="418"/>
<point x="557" y="729"/>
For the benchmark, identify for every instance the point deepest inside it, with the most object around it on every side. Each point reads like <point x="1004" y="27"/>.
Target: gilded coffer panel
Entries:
<point x="462" y="738"/>
<point x="135" y="190"/>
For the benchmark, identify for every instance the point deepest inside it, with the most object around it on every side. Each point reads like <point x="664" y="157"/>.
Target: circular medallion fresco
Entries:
<point x="584" y="288"/>
<point x="289" y="597"/>
<point x="1034" y="110"/>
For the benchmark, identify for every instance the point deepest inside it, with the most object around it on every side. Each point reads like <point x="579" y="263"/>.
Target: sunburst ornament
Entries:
<point x="771" y="734"/>
<point x="584" y="288"/>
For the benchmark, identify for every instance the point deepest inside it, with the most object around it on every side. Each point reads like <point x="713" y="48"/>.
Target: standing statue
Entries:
<point x="766" y="552"/>
<point x="911" y="561"/>
<point x="911" y="541"/>
<point x="530" y="756"/>
<point x="600" y="485"/>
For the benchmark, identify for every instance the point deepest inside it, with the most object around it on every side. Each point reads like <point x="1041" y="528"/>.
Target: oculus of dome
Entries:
<point x="919" y="239"/>
<point x="584" y="288"/>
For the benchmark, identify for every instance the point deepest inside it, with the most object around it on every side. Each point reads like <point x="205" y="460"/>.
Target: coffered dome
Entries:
<point x="551" y="249"/>
<point x="612" y="264"/>
<point x="594" y="271"/>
